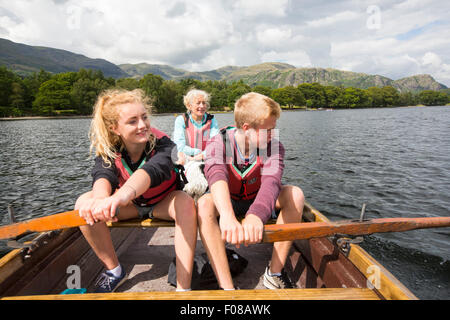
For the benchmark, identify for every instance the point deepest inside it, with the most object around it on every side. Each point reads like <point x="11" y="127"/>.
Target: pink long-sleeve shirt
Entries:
<point x="272" y="160"/>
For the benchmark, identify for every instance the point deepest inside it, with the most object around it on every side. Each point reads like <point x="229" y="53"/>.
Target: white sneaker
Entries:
<point x="277" y="281"/>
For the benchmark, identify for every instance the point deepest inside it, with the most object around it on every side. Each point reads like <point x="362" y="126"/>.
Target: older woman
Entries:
<point x="195" y="127"/>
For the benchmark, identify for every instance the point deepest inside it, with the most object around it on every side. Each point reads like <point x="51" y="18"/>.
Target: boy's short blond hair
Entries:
<point x="253" y="108"/>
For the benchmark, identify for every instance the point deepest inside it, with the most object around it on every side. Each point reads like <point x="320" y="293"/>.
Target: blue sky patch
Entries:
<point x="417" y="31"/>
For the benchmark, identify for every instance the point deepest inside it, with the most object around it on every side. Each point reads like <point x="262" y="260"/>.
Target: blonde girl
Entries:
<point x="133" y="176"/>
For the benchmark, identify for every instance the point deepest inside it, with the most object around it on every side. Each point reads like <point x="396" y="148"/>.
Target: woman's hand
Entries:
<point x="181" y="158"/>
<point x="198" y="157"/>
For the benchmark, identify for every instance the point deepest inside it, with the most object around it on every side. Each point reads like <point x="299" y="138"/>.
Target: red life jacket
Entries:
<point x="242" y="185"/>
<point x="197" y="138"/>
<point x="152" y="195"/>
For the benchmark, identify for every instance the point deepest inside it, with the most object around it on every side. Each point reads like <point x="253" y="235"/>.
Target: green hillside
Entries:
<point x="24" y="59"/>
<point x="279" y="75"/>
<point x="418" y="83"/>
<point x="170" y="73"/>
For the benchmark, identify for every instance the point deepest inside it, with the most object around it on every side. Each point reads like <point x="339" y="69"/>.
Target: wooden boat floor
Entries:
<point x="148" y="255"/>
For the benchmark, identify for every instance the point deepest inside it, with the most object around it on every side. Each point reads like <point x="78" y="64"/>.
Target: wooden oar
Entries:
<point x="272" y="233"/>
<point x="63" y="220"/>
<point x="284" y="232"/>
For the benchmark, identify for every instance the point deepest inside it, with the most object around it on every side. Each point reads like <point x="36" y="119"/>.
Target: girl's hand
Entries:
<point x="121" y="198"/>
<point x="107" y="208"/>
<point x="86" y="208"/>
<point x="104" y="209"/>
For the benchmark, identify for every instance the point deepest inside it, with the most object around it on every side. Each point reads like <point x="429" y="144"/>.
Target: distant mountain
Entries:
<point x="280" y="75"/>
<point x="277" y="75"/>
<point x="418" y="83"/>
<point x="25" y="59"/>
<point x="170" y="73"/>
<point x="141" y="69"/>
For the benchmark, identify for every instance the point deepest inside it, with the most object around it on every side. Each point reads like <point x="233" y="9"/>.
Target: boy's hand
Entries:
<point x="232" y="231"/>
<point x="253" y="229"/>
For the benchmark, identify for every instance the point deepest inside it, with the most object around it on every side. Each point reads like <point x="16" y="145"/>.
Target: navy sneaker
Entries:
<point x="108" y="282"/>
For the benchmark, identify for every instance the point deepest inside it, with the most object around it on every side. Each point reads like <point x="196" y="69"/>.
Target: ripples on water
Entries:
<point x="395" y="160"/>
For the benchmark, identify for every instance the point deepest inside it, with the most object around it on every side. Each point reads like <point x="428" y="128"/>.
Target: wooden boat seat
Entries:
<point x="144" y="223"/>
<point x="149" y="223"/>
<point x="282" y="294"/>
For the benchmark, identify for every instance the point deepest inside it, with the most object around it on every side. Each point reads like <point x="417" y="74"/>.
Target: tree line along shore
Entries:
<point x="74" y="94"/>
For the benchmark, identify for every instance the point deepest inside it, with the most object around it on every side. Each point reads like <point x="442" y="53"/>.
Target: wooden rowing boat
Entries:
<point x="323" y="268"/>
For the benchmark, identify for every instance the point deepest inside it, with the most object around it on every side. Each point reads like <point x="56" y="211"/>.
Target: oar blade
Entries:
<point x="68" y="219"/>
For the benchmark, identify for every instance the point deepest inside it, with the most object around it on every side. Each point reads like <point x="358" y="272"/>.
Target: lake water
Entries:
<point x="396" y="160"/>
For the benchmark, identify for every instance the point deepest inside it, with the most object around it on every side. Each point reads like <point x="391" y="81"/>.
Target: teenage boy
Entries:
<point x="244" y="167"/>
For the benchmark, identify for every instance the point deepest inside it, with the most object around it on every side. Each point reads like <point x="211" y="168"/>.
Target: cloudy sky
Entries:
<point x="391" y="38"/>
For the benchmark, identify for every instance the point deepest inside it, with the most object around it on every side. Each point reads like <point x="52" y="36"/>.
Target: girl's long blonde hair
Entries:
<point x="105" y="117"/>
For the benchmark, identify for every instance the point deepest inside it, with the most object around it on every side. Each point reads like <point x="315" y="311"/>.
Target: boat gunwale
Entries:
<point x="389" y="286"/>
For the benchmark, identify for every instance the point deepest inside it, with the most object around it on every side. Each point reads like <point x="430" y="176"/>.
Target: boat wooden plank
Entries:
<point x="9" y="264"/>
<point x="301" y="272"/>
<point x="282" y="294"/>
<point x="388" y="285"/>
<point x="90" y="266"/>
<point x="37" y="279"/>
<point x="14" y="266"/>
<point x="330" y="264"/>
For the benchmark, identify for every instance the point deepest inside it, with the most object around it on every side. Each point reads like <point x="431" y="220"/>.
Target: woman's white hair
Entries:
<point x="192" y="94"/>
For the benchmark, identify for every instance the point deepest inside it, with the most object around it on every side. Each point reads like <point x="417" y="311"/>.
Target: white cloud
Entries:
<point x="432" y="64"/>
<point x="333" y="19"/>
<point x="274" y="36"/>
<point x="297" y="58"/>
<point x="431" y="59"/>
<point x="258" y="7"/>
<point x="413" y="4"/>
